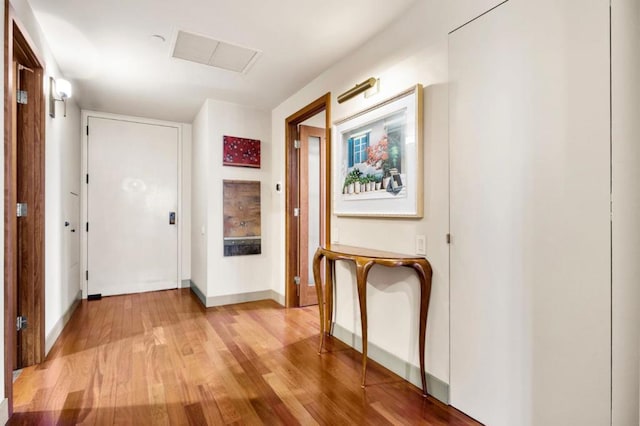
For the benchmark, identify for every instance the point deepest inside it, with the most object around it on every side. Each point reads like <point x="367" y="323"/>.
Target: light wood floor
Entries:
<point x="160" y="358"/>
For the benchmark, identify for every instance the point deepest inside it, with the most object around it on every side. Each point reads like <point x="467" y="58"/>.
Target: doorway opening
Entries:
<point x="308" y="205"/>
<point x="24" y="203"/>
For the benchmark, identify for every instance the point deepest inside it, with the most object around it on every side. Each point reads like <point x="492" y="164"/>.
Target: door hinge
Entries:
<point x="296" y="144"/>
<point x="87" y="130"/>
<point x="296" y="281"/>
<point x="86" y="275"/>
<point x="22" y="97"/>
<point x="87" y="226"/>
<point x="21" y="323"/>
<point x="21" y="209"/>
<point x="296" y="211"/>
<point x="87" y="177"/>
<point x="448" y="238"/>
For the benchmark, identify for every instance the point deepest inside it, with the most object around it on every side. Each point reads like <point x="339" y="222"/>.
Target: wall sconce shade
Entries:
<point x="357" y="89"/>
<point x="59" y="90"/>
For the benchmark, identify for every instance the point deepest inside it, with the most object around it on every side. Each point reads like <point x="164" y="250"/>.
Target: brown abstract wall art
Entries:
<point x="241" y="211"/>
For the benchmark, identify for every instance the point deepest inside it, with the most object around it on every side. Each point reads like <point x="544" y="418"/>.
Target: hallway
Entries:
<point x="160" y="358"/>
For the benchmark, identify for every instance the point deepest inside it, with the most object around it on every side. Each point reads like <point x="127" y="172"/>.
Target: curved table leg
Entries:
<point x="362" y="271"/>
<point x="316" y="275"/>
<point x="331" y="268"/>
<point x="425" y="292"/>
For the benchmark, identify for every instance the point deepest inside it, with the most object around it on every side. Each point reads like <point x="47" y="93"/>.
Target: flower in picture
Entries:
<point x="377" y="155"/>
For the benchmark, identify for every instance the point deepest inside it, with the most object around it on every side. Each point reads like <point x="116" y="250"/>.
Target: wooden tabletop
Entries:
<point x="366" y="252"/>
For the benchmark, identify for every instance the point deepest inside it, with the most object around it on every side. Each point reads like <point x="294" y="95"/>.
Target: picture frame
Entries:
<point x="378" y="159"/>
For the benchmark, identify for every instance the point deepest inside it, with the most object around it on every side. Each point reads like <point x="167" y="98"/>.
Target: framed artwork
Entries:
<point x="378" y="159"/>
<point x="240" y="152"/>
<point x="241" y="212"/>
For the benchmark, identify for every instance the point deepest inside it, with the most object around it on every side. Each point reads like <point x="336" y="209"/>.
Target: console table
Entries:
<point x="364" y="259"/>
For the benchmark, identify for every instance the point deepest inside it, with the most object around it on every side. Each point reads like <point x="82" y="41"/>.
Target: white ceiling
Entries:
<point x="106" y="48"/>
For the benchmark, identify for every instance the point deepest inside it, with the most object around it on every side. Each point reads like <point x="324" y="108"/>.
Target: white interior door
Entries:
<point x="132" y="194"/>
<point x="530" y="227"/>
<point x="72" y="243"/>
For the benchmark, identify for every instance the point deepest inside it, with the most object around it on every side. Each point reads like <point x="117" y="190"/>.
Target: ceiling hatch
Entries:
<point x="215" y="53"/>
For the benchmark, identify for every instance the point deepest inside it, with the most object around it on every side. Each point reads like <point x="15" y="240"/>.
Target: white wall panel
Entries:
<point x="530" y="253"/>
<point x="625" y="66"/>
<point x="236" y="274"/>
<point x="199" y="198"/>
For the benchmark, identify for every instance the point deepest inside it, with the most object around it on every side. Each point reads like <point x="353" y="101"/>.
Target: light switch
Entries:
<point x="421" y="245"/>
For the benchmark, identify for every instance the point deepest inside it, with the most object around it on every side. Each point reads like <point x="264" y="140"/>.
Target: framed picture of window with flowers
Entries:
<point x="378" y="159"/>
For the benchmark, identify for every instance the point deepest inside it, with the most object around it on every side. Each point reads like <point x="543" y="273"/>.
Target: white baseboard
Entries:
<point x="277" y="297"/>
<point x="199" y="294"/>
<point x="230" y="299"/>
<point x="57" y="329"/>
<point x="4" y="411"/>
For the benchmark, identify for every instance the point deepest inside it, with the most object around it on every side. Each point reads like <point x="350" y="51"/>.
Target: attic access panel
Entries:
<point x="215" y="53"/>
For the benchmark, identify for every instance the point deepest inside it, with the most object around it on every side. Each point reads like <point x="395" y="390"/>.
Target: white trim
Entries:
<point x="278" y="298"/>
<point x="4" y="411"/>
<point x="231" y="299"/>
<point x="55" y="332"/>
<point x="83" y="187"/>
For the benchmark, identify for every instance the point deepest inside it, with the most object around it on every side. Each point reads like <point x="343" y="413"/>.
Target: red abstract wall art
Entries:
<point x="240" y="152"/>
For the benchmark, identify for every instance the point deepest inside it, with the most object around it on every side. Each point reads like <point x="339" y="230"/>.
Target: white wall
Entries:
<point x="625" y="57"/>
<point x="216" y="276"/>
<point x="530" y="179"/>
<point x="412" y="50"/>
<point x="185" y="202"/>
<point x="199" y="198"/>
<point x="61" y="176"/>
<point x="236" y="274"/>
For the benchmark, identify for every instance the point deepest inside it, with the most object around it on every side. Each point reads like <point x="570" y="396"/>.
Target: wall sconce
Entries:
<point x="357" y="89"/>
<point x="59" y="90"/>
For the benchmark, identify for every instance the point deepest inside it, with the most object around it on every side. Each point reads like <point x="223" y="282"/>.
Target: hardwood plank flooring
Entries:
<point x="160" y="358"/>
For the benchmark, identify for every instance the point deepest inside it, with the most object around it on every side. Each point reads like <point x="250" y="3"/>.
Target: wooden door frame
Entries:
<point x="321" y="104"/>
<point x="16" y="35"/>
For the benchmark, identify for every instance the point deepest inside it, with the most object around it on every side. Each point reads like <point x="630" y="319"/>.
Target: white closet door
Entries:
<point x="530" y="252"/>
<point x="72" y="244"/>
<point x="132" y="191"/>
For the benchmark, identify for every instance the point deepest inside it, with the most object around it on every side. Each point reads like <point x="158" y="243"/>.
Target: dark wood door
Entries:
<point x="27" y="161"/>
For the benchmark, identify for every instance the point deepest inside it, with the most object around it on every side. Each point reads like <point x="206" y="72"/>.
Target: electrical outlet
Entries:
<point x="421" y="245"/>
<point x="335" y="235"/>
